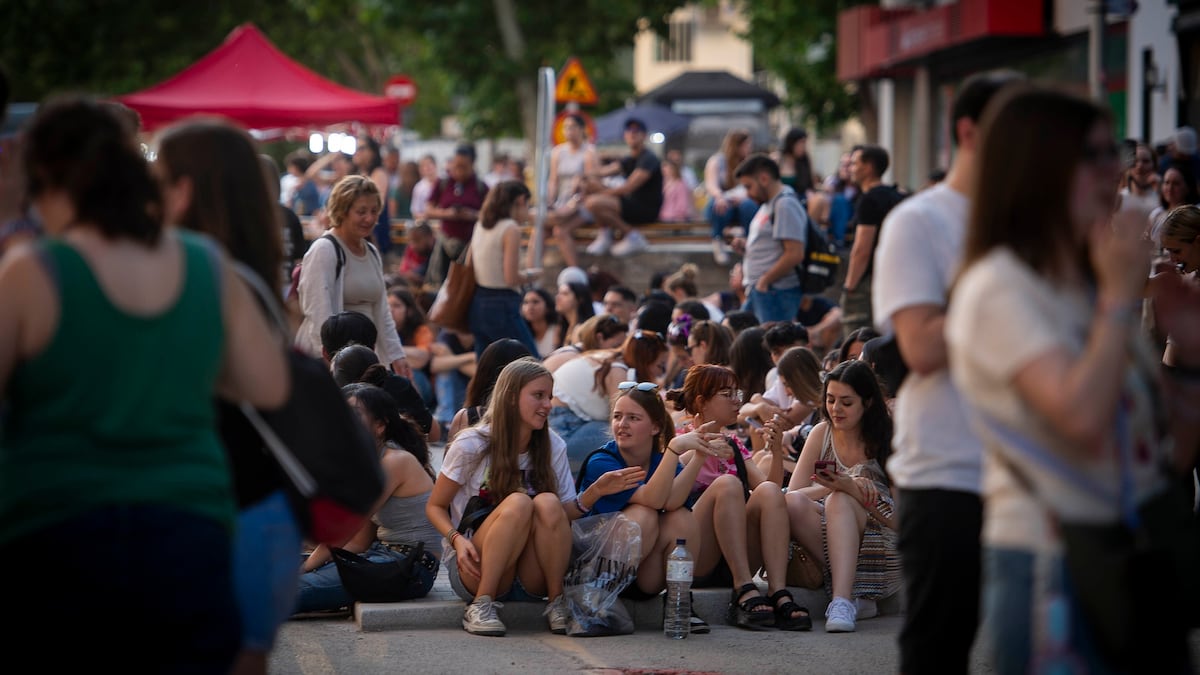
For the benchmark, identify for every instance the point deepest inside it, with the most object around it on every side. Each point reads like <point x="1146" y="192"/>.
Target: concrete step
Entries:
<point x="442" y="609"/>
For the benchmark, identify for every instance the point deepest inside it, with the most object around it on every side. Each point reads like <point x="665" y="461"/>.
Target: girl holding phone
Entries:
<point x="740" y="509"/>
<point x="839" y="502"/>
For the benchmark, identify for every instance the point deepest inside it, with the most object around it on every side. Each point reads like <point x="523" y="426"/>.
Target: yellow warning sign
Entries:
<point x="574" y="86"/>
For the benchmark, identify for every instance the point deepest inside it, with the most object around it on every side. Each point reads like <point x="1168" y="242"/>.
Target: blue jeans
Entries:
<point x="146" y="584"/>
<point x="451" y="389"/>
<point x="1027" y="597"/>
<point x="496" y="315"/>
<point x="741" y="213"/>
<point x="774" y="305"/>
<point x="421" y="381"/>
<point x="321" y="589"/>
<point x="581" y="436"/>
<point x="264" y="568"/>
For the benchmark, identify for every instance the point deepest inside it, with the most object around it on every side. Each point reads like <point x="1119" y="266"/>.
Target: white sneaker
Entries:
<point x="720" y="255"/>
<point x="559" y="614"/>
<point x="839" y="617"/>
<point x="633" y="242"/>
<point x="602" y="243"/>
<point x="480" y="618"/>
<point x="865" y="609"/>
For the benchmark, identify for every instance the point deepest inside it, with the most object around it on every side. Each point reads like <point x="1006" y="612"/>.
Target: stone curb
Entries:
<point x="443" y="609"/>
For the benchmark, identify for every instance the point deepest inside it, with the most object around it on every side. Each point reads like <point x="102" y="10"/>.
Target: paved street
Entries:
<point x="336" y="646"/>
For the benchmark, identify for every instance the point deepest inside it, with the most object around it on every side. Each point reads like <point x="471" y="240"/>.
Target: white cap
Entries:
<point x="572" y="275"/>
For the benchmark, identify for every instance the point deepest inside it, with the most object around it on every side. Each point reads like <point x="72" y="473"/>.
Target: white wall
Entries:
<point x="715" y="46"/>
<point x="1150" y="27"/>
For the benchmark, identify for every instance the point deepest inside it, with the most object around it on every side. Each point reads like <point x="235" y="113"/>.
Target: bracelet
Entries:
<point x="579" y="505"/>
<point x="451" y="535"/>
<point x="673" y="452"/>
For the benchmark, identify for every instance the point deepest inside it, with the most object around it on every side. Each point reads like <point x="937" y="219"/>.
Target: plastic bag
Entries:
<point x="604" y="559"/>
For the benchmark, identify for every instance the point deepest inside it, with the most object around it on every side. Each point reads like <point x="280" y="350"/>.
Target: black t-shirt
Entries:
<point x="649" y="194"/>
<point x="872" y="207"/>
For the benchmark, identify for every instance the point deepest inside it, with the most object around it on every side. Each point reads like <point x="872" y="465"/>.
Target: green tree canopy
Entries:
<point x="795" y="42"/>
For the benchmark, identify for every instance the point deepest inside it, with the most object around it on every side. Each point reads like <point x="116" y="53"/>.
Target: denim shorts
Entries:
<point x="582" y="436"/>
<point x="265" y="569"/>
<point x="515" y="593"/>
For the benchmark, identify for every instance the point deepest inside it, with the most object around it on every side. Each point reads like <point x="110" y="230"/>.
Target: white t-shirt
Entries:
<point x="1004" y="316"/>
<point x="463" y="465"/>
<point x="920" y="248"/>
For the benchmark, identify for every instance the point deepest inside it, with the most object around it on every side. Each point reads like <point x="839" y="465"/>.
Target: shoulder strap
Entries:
<point x="266" y="299"/>
<point x="341" y="255"/>
<point x="586" y="460"/>
<point x="743" y="474"/>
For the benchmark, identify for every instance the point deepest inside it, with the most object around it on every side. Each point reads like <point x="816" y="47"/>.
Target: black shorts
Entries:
<point x="637" y="212"/>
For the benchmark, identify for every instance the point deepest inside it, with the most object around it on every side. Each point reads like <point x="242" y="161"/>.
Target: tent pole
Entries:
<point x="542" y="146"/>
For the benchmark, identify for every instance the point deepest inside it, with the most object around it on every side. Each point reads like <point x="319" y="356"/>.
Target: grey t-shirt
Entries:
<point x="781" y="218"/>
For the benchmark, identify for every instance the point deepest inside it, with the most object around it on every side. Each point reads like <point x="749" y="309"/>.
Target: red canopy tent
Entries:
<point x="250" y="81"/>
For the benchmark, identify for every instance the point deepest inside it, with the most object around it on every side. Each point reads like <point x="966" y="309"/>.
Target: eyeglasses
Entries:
<point x="640" y="386"/>
<point x="735" y="395"/>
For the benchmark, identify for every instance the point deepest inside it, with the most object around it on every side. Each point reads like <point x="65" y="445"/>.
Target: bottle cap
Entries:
<point x="680" y="542"/>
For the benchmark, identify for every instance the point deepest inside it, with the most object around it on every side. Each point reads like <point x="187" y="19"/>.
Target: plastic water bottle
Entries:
<point x="677" y="614"/>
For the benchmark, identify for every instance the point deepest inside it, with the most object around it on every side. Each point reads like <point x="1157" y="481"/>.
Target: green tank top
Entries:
<point x="118" y="408"/>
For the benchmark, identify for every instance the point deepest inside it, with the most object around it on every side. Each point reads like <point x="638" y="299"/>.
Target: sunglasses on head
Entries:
<point x="640" y="386"/>
<point x="649" y="334"/>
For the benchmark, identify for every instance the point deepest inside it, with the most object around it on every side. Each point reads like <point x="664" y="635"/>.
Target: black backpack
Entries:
<point x="821" y="257"/>
<point x="294" y="289"/>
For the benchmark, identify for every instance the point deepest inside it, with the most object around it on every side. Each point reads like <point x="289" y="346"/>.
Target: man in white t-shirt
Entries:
<point x="937" y="459"/>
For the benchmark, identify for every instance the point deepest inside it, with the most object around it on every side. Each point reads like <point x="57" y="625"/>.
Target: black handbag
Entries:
<point x="370" y="581"/>
<point x="1138" y="586"/>
<point x="474" y="513"/>
<point x="328" y="456"/>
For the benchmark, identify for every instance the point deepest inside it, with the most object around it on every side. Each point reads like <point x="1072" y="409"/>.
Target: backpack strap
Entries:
<point x="584" y="464"/>
<point x="341" y="255"/>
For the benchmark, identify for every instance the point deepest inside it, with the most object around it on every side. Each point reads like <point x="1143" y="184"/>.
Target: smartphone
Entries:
<point x="754" y="422"/>
<point x="825" y="466"/>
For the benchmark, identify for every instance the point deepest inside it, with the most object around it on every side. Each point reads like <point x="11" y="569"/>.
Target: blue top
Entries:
<point x="610" y="459"/>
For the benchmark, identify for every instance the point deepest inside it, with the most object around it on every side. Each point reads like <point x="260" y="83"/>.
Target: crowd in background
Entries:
<point x="1040" y="301"/>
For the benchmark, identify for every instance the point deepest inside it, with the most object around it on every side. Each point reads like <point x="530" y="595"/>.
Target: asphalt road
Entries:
<point x="336" y="646"/>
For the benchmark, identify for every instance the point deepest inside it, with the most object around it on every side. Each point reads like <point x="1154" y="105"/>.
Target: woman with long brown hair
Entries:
<point x="1063" y="388"/>
<point x="517" y="470"/>
<point x="495" y="254"/>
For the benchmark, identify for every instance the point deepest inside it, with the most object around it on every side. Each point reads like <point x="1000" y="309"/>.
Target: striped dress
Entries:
<point x="878" y="575"/>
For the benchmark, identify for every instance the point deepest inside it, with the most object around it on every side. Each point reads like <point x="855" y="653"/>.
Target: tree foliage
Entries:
<point x="453" y="49"/>
<point x="795" y="41"/>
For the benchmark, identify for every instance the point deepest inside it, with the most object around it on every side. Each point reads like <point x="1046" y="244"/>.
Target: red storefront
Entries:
<point x="924" y="53"/>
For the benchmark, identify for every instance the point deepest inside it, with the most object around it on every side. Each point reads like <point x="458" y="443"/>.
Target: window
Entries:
<point x="677" y="46"/>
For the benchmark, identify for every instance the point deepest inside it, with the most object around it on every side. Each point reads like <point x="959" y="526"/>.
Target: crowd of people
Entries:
<point x="899" y="436"/>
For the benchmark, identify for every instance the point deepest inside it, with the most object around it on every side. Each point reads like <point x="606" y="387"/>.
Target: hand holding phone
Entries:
<point x="826" y="467"/>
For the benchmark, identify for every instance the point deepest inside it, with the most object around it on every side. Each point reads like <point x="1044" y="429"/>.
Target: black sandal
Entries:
<point x="784" y="619"/>
<point x="753" y="613"/>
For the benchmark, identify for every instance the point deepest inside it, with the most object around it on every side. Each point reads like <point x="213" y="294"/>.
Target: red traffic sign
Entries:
<point x="401" y="88"/>
<point x="558" y="136"/>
